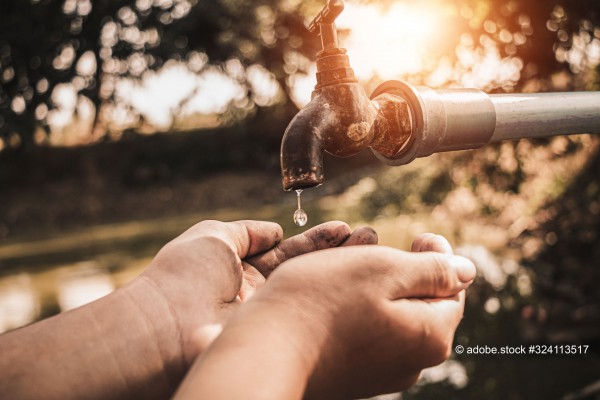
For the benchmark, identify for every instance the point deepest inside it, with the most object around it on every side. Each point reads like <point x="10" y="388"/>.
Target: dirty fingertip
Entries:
<point x="363" y="235"/>
<point x="263" y="235"/>
<point x="329" y="234"/>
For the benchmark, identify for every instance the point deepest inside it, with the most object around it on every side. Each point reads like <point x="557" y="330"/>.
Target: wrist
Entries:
<point x="272" y="354"/>
<point x="300" y="329"/>
<point x="155" y="325"/>
<point x="283" y="326"/>
<point x="110" y="348"/>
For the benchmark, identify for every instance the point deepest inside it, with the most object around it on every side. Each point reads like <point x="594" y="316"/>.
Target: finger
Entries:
<point x="432" y="275"/>
<point x="431" y="242"/>
<point x="262" y="236"/>
<point x="361" y="236"/>
<point x="323" y="236"/>
<point x="245" y="238"/>
<point x="403" y="274"/>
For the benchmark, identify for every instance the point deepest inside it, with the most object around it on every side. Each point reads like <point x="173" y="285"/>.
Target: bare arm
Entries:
<point x="110" y="348"/>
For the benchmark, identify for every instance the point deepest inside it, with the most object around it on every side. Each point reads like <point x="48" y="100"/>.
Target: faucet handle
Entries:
<point x="324" y="24"/>
<point x="327" y="15"/>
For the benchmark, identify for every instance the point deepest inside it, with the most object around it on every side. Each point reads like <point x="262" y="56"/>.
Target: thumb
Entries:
<point x="419" y="275"/>
<point x="434" y="275"/>
<point x="404" y="275"/>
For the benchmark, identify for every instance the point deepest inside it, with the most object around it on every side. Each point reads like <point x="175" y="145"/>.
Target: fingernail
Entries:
<point x="373" y="237"/>
<point x="366" y="235"/>
<point x="465" y="269"/>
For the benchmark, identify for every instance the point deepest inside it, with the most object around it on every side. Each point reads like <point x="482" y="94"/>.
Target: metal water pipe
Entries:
<point x="401" y="122"/>
<point x="462" y="119"/>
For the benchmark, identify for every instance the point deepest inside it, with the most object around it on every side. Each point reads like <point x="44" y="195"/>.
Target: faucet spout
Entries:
<point x="337" y="120"/>
<point x="302" y="151"/>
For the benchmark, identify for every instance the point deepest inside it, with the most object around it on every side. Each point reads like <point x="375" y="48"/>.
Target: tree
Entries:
<point x="46" y="43"/>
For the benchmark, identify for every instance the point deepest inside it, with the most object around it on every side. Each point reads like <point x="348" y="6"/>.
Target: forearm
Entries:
<point x="111" y="348"/>
<point x="261" y="354"/>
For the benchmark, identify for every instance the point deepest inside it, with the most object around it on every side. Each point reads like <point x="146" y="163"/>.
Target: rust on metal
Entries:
<point x="393" y="126"/>
<point x="340" y="119"/>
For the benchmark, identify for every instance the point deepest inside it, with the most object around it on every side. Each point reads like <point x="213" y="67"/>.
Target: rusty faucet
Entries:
<point x="340" y="118"/>
<point x="401" y="122"/>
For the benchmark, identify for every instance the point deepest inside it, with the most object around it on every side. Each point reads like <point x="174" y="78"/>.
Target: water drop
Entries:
<point x="300" y="217"/>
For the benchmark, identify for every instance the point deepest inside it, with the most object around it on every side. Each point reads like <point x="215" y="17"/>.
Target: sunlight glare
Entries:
<point x="302" y="85"/>
<point x="19" y="304"/>
<point x="82" y="285"/>
<point x="160" y="94"/>
<point x="265" y="88"/>
<point x="215" y="91"/>
<point x="390" y="42"/>
<point x="64" y="98"/>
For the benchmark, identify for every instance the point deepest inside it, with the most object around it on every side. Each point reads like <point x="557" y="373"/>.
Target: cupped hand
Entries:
<point x="205" y="273"/>
<point x="367" y="320"/>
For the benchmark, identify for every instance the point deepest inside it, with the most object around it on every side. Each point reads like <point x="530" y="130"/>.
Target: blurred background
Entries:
<point x="124" y="122"/>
